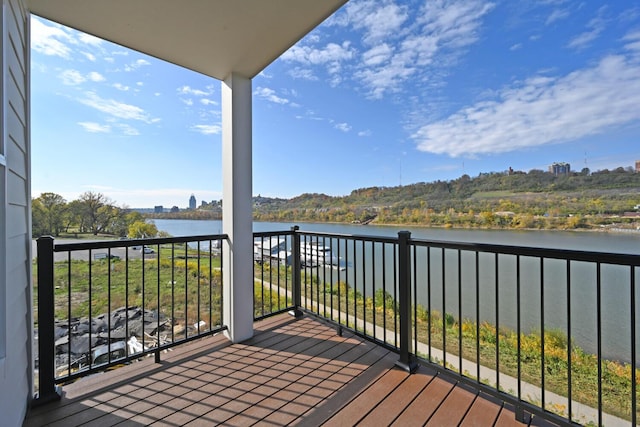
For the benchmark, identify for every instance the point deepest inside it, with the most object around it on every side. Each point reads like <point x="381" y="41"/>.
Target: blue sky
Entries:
<point x="382" y="93"/>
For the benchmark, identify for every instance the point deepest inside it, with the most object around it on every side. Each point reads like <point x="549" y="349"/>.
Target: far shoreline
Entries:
<point x="600" y="229"/>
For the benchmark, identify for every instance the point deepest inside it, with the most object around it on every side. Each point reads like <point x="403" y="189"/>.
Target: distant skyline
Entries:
<point x="383" y="93"/>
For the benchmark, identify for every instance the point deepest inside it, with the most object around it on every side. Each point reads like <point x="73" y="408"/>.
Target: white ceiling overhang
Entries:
<point x="212" y="37"/>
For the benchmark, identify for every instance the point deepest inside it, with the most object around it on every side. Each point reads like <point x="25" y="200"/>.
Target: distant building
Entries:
<point x="174" y="209"/>
<point x="560" y="169"/>
<point x="192" y="202"/>
<point x="637" y="166"/>
<point x="158" y="209"/>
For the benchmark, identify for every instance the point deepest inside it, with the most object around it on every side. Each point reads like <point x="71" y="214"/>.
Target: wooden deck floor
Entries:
<point x="292" y="372"/>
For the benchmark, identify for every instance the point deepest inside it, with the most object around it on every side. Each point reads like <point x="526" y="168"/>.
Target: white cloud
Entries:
<point x="541" y="111"/>
<point x="207" y="129"/>
<point x="344" y="127"/>
<point x="188" y="90"/>
<point x="378" y="19"/>
<point x="207" y="101"/>
<point x="187" y="101"/>
<point x="332" y="55"/>
<point x="557" y="15"/>
<point x="377" y="55"/>
<point x="310" y="115"/>
<point x="442" y="29"/>
<point x="72" y="77"/>
<point x="116" y="109"/>
<point x="95" y="77"/>
<point x="53" y="39"/>
<point x="594" y="28"/>
<point x="89" y="39"/>
<point x="127" y="129"/>
<point x="364" y="133"/>
<point x="455" y="23"/>
<point x="582" y="40"/>
<point x="269" y="95"/>
<point x="633" y="41"/>
<point x="90" y="56"/>
<point x="516" y="46"/>
<point x="136" y="65"/>
<point x="121" y="87"/>
<point x="398" y="44"/>
<point x="302" y="73"/>
<point x="95" y="127"/>
<point x="388" y="78"/>
<point x="49" y="39"/>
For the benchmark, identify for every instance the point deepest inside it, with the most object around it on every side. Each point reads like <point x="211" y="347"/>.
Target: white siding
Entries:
<point x="15" y="224"/>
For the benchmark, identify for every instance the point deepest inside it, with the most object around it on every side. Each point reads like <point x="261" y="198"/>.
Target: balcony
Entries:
<point x="348" y="329"/>
<point x="291" y="372"/>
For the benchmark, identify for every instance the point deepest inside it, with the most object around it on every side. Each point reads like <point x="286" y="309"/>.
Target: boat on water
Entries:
<point x="271" y="249"/>
<point x="316" y="254"/>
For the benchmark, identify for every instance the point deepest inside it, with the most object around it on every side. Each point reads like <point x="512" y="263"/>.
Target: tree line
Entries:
<point x="92" y="213"/>
<point x="510" y="199"/>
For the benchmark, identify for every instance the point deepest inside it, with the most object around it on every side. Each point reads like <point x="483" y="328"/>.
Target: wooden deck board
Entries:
<point x="389" y="408"/>
<point x="484" y="411"/>
<point x="453" y="408"/>
<point x="425" y="404"/>
<point x="292" y="372"/>
<point x="367" y="400"/>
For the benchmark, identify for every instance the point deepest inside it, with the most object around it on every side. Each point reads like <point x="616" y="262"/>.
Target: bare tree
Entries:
<point x="98" y="211"/>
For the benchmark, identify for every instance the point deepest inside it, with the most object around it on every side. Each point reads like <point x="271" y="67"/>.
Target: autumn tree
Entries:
<point x="49" y="210"/>
<point x="119" y="224"/>
<point x="142" y="229"/>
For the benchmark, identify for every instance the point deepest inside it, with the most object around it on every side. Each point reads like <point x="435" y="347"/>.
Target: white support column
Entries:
<point x="237" y="220"/>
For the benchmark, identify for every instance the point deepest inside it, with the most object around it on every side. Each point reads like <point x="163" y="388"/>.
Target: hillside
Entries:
<point x="513" y="199"/>
<point x="488" y="199"/>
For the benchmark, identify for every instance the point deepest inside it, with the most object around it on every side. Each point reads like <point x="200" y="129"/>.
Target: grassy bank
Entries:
<point x="190" y="284"/>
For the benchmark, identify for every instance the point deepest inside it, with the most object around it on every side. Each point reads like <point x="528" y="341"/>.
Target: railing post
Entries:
<point x="47" y="390"/>
<point x="295" y="272"/>
<point x="407" y="361"/>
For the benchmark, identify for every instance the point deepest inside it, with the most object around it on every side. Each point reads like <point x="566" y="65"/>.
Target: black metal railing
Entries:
<point x="552" y="332"/>
<point x="106" y="303"/>
<point x="513" y="318"/>
<point x="273" y="273"/>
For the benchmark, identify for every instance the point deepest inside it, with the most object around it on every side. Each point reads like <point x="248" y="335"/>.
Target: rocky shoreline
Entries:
<point x="81" y="343"/>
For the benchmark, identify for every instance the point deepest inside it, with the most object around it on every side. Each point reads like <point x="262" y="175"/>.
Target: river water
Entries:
<point x="445" y="283"/>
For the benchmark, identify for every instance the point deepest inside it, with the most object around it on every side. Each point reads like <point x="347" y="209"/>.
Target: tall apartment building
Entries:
<point x="637" y="166"/>
<point x="192" y="202"/>
<point x="560" y="169"/>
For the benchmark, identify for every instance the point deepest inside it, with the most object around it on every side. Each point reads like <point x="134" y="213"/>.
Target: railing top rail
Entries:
<point x="381" y="239"/>
<point x="101" y="244"/>
<point x="564" y="254"/>
<point x="258" y="234"/>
